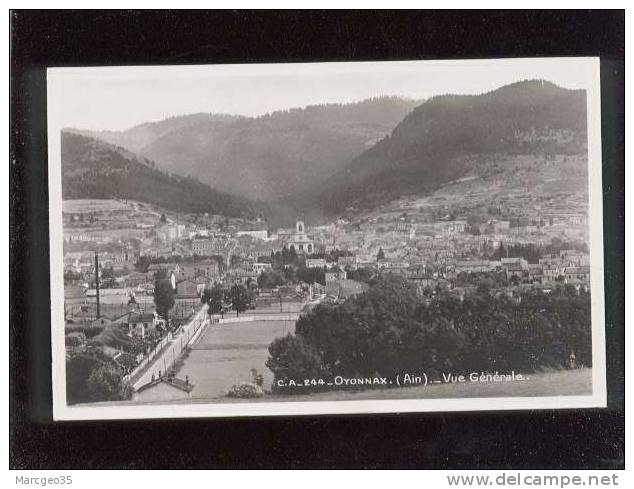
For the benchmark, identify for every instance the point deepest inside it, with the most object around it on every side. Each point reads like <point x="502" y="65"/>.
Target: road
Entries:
<point x="171" y="349"/>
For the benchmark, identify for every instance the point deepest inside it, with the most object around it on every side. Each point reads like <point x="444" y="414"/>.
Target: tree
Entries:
<point x="362" y="274"/>
<point x="105" y="383"/>
<point x="142" y="263"/>
<point x="108" y="278"/>
<point x="239" y="298"/>
<point x="270" y="279"/>
<point x="214" y="299"/>
<point x="311" y="275"/>
<point x="365" y="335"/>
<point x="291" y="358"/>
<point x="292" y="256"/>
<point x="388" y="330"/>
<point x="75" y="339"/>
<point x="70" y="276"/>
<point x="163" y="296"/>
<point x="92" y="376"/>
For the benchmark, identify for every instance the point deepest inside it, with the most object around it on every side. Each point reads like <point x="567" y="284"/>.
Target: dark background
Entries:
<point x="528" y="439"/>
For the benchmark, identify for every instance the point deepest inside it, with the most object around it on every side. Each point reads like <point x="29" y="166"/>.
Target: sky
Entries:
<point x="117" y="98"/>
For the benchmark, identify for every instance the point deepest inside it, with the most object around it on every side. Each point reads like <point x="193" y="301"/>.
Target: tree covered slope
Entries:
<point x="97" y="170"/>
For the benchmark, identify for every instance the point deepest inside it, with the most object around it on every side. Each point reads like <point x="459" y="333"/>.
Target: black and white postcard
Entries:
<point x="325" y="238"/>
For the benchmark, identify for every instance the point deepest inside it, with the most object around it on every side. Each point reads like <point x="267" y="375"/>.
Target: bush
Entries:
<point x="88" y="330"/>
<point x="75" y="339"/>
<point x="245" y="390"/>
<point x="105" y="383"/>
<point x="92" y="376"/>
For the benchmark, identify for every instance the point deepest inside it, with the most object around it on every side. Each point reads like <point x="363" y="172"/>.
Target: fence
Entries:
<point x="289" y="316"/>
<point x="164" y="355"/>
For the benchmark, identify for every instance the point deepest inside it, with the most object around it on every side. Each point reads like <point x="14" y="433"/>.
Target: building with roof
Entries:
<point x="101" y="321"/>
<point x="74" y="292"/>
<point x="141" y="324"/>
<point x="186" y="289"/>
<point x="206" y="247"/>
<point x="315" y="262"/>
<point x="300" y="240"/>
<point x="262" y="234"/>
<point x="258" y="267"/>
<point x="514" y="270"/>
<point x="581" y="274"/>
<point x="343" y="289"/>
<point x="473" y="266"/>
<point x="164" y="388"/>
<point x="335" y="274"/>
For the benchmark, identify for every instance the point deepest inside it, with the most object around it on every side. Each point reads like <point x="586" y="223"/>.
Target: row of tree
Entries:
<point x="144" y="261"/>
<point x="390" y="329"/>
<point x="219" y="300"/>
<point x="270" y="279"/>
<point x="530" y="252"/>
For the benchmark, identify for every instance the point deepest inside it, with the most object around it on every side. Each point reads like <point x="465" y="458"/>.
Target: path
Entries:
<point x="172" y="349"/>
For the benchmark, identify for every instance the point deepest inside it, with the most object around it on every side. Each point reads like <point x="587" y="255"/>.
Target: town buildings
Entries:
<point x="431" y="244"/>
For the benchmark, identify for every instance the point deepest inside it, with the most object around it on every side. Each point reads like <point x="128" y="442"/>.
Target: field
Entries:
<point x="226" y="353"/>
<point x="86" y="206"/>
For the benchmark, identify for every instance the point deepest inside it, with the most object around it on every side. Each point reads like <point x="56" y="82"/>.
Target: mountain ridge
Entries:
<point x="326" y="160"/>
<point x="269" y="156"/>
<point x="435" y="142"/>
<point x="94" y="169"/>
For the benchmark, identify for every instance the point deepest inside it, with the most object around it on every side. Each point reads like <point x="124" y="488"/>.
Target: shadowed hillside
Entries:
<point x="97" y="170"/>
<point x="267" y="157"/>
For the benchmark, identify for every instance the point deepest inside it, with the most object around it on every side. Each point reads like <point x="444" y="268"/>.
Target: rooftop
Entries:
<point x="145" y="317"/>
<point x="171" y="381"/>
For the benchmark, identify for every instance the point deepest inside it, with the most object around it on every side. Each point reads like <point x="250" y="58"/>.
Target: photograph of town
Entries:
<point x="337" y="232"/>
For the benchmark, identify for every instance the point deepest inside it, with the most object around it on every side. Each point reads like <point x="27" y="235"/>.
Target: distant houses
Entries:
<point x="262" y="234"/>
<point x="474" y="266"/>
<point x="335" y="274"/>
<point x="260" y="267"/>
<point x="315" y="262"/>
<point x="581" y="274"/>
<point x="187" y="289"/>
<point x="344" y="289"/>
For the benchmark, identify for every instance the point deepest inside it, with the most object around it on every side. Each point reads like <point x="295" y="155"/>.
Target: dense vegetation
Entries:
<point x="439" y="140"/>
<point x="144" y="261"/>
<point x="96" y="170"/>
<point x="288" y="267"/>
<point x="164" y="295"/>
<point x="276" y="154"/>
<point x="140" y="136"/>
<point x="390" y="330"/>
<point x="92" y="376"/>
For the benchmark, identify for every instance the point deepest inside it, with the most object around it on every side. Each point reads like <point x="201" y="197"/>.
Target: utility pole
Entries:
<point x="97" y="283"/>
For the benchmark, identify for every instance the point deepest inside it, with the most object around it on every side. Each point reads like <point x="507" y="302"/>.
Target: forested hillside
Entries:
<point x="267" y="157"/>
<point x="439" y="140"/>
<point x="97" y="170"/>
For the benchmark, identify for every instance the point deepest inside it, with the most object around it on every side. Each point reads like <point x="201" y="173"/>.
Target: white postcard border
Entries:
<point x="61" y="411"/>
